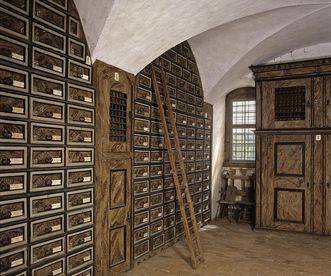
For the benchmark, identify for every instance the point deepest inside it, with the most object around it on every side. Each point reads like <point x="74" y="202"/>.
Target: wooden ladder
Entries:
<point x="192" y="237"/>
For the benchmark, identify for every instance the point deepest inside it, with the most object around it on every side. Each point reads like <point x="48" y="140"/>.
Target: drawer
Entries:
<point x="156" y="185"/>
<point x="199" y="155"/>
<point x="13" y="51"/>
<point x="207" y="145"/>
<point x="143" y="110"/>
<point x="79" y="72"/>
<point x="80" y="115"/>
<point x="172" y="92"/>
<point x="182" y="84"/>
<point x="47" y="134"/>
<point x="14" y="24"/>
<point x="190" y="167"/>
<point x="181" y="119"/>
<point x="141" y="249"/>
<point x="208" y="134"/>
<point x="197" y="208"/>
<point x="60" y="3"/>
<point x="205" y="196"/>
<point x="141" y="141"/>
<point x="79" y="156"/>
<point x="13" y="105"/>
<point x="14" y="79"/>
<point x="143" y="94"/>
<point x="181" y="106"/>
<point x="76" y="49"/>
<point x="79" y="240"/>
<point x="47" y="87"/>
<point x="171" y="79"/>
<point x="169" y="222"/>
<point x="195" y="188"/>
<point x="141" y="234"/>
<point x="177" y="70"/>
<point x="46" y="110"/>
<point x="84" y="272"/>
<point x="205" y="186"/>
<point x="198" y="166"/>
<point x="182" y="143"/>
<point x="80" y="95"/>
<point x="205" y="206"/>
<point x="21" y="6"/>
<point x="190" y="133"/>
<point x="206" y="217"/>
<point x="206" y="155"/>
<point x="12" y="183"/>
<point x="182" y="131"/>
<point x="198" y="91"/>
<point x="169" y="235"/>
<point x="196" y="198"/>
<point x="156" y="213"/>
<point x="179" y="230"/>
<point x="168" y="183"/>
<point x="200" y="134"/>
<point x="79" y="199"/>
<point x="156" y="199"/>
<point x="156" y="128"/>
<point x="155" y="113"/>
<point x="47" y="38"/>
<point x="191" y="121"/>
<point x="140" y="172"/>
<point x="46" y="228"/>
<point x="47" y="157"/>
<point x="141" y="203"/>
<point x="207" y="124"/>
<point x="190" y="155"/>
<point x="80" y="136"/>
<point x="156" y="156"/>
<point x="46" y="250"/>
<point x="190" y="179"/>
<point x="191" y="99"/>
<point x="13" y="236"/>
<point x="198" y="218"/>
<point x="199" y="145"/>
<point x="48" y="62"/>
<point x="166" y="64"/>
<point x="79" y="219"/>
<point x="141" y="218"/>
<point x="75" y="28"/>
<point x="79" y="177"/>
<point x="13" y="261"/>
<point x="51" y="268"/>
<point x="199" y="111"/>
<point x="157" y="242"/>
<point x="49" y="15"/>
<point x="11" y="131"/>
<point x="206" y="176"/>
<point x="199" y="101"/>
<point x="12" y="158"/>
<point x="156" y="227"/>
<point x="46" y="181"/>
<point x="46" y="204"/>
<point x="79" y="260"/>
<point x="140" y="187"/>
<point x="169" y="209"/>
<point x="198" y="177"/>
<point x="144" y="81"/>
<point x="141" y="125"/>
<point x="167" y="169"/>
<point x="200" y="123"/>
<point x="156" y="170"/>
<point x="141" y="156"/>
<point x="190" y="144"/>
<point x="181" y="95"/>
<point x="190" y="86"/>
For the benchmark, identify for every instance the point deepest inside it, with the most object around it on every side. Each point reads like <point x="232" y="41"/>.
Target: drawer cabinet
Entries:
<point x="15" y="132"/>
<point x="143" y="94"/>
<point x="141" y="203"/>
<point x="48" y="62"/>
<point x="79" y="72"/>
<point x="79" y="199"/>
<point x="80" y="115"/>
<point x="156" y="185"/>
<point x="80" y="136"/>
<point x="79" y="260"/>
<point x="12" y="183"/>
<point x="46" y="228"/>
<point x="156" y="227"/>
<point x="156" y="213"/>
<point x="47" y="87"/>
<point x="79" y="240"/>
<point x="13" y="51"/>
<point x="12" y="105"/>
<point x="45" y="181"/>
<point x="14" y="24"/>
<point x="79" y="156"/>
<point x="47" y="157"/>
<point x="140" y="187"/>
<point x="46" y="110"/>
<point x="79" y="177"/>
<point x="47" y="204"/>
<point x="156" y="199"/>
<point x="47" y="134"/>
<point x="141" y="218"/>
<point x="13" y="236"/>
<point x="140" y="172"/>
<point x="80" y="95"/>
<point x="13" y="261"/>
<point x="79" y="219"/>
<point x="141" y="234"/>
<point x="14" y="79"/>
<point x="157" y="241"/>
<point x="46" y="250"/>
<point x="13" y="210"/>
<point x="52" y="268"/>
<point x="141" y="249"/>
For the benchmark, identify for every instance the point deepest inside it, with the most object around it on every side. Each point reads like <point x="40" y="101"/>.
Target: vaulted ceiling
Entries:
<point x="226" y="36"/>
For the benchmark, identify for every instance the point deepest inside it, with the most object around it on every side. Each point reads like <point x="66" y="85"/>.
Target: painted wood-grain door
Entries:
<point x="285" y="182"/>
<point x="327" y="228"/>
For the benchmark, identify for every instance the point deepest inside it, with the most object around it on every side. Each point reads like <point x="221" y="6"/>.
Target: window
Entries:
<point x="240" y="126"/>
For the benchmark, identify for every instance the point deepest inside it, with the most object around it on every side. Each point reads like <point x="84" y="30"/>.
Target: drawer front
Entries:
<point x="179" y="230"/>
<point x="141" y="218"/>
<point x="199" y="111"/>
<point x="190" y="167"/>
<point x="205" y="206"/>
<point x="52" y="268"/>
<point x="182" y="143"/>
<point x="191" y="133"/>
<point x="13" y="210"/>
<point x="13" y="51"/>
<point x="200" y="123"/>
<point x="198" y="177"/>
<point x="167" y="169"/>
<point x="206" y="217"/>
<point x="200" y="134"/>
<point x="142" y="110"/>
<point x="156" y="227"/>
<point x="190" y="109"/>
<point x="156" y="128"/>
<point x="182" y="132"/>
<point x="84" y="272"/>
<point x="156" y="199"/>
<point x="156" y="185"/>
<point x="75" y="28"/>
<point x="190" y="144"/>
<point x="169" y="235"/>
<point x="79" y="156"/>
<point x="171" y="79"/>
<point x="207" y="124"/>
<point x="141" y="234"/>
<point x="47" y="134"/>
<point x="47" y="62"/>
<point x="205" y="185"/>
<point x="206" y="155"/>
<point x="12" y="183"/>
<point x="157" y="142"/>
<point x="169" y="222"/>
<point x="76" y="49"/>
<point x="168" y="183"/>
<point x="196" y="199"/>
<point x="46" y="157"/>
<point x="47" y="204"/>
<point x="80" y="115"/>
<point x="14" y="24"/>
<point x="14" y="79"/>
<point x="141" y="249"/>
<point x="141" y="203"/>
<point x="45" y="181"/>
<point x="208" y="134"/>
<point x="169" y="196"/>
<point x="156" y="213"/>
<point x="169" y="208"/>
<point x="206" y="176"/>
<point x="181" y="119"/>
<point x="199" y="145"/>
<point x="79" y="219"/>
<point x="181" y="106"/>
<point x="13" y="236"/>
<point x="140" y="172"/>
<point x="79" y="199"/>
<point x="156" y="156"/>
<point x="197" y="209"/>
<point x="13" y="105"/>
<point x="46" y="228"/>
<point x="190" y="156"/>
<point x="156" y="170"/>
<point x="191" y="121"/>
<point x="207" y="145"/>
<point x="47" y="87"/>
<point x="79" y="239"/>
<point x="199" y="155"/>
<point x="205" y="196"/>
<point x="157" y="242"/>
<point x="140" y="187"/>
<point x="79" y="177"/>
<point x="15" y="132"/>
<point x="81" y="95"/>
<point x="199" y="166"/>
<point x="13" y="261"/>
<point x="191" y="178"/>
<point x="155" y="114"/>
<point x="80" y="136"/>
<point x="144" y="81"/>
<point x="141" y="156"/>
<point x="181" y="95"/>
<point x="46" y="250"/>
<point x="79" y="260"/>
<point x="79" y="72"/>
<point x="143" y="94"/>
<point x="46" y="110"/>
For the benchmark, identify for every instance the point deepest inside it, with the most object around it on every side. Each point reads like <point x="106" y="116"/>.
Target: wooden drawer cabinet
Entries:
<point x="79" y="260"/>
<point x="13" y="210"/>
<point x="141" y="234"/>
<point x="52" y="268"/>
<point x="46" y="110"/>
<point x="79" y="219"/>
<point x="15" y="132"/>
<point x="13" y="236"/>
<point x="13" y="79"/>
<point x="79" y="72"/>
<point x="140" y="187"/>
<point x="47" y="157"/>
<point x="12" y="105"/>
<point x="13" y="51"/>
<point x="80" y="115"/>
<point x="79" y="156"/>
<point x="156" y="227"/>
<point x="141" y="218"/>
<point x="47" y="134"/>
<point x="80" y="95"/>
<point x="47" y="204"/>
<point x="46" y="250"/>
<point x="13" y="183"/>
<point x="79" y="240"/>
<point x="141" y="249"/>
<point x="45" y="181"/>
<point x="79" y="199"/>
<point x="79" y="177"/>
<point x="14" y="24"/>
<point x="80" y="136"/>
<point x="13" y="261"/>
<point x="48" y="62"/>
<point x="46" y="228"/>
<point x="47" y="87"/>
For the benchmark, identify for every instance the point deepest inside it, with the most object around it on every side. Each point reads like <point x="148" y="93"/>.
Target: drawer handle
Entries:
<point x="308" y="103"/>
<point x="327" y="102"/>
<point x="328" y="185"/>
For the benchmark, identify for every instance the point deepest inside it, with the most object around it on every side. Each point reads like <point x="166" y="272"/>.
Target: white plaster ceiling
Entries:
<point x="226" y="36"/>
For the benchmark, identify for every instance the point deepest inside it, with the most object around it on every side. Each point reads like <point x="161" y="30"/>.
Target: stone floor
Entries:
<point x="232" y="249"/>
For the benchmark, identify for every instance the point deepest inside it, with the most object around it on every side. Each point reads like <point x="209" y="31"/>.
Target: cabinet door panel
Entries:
<point x="328" y="182"/>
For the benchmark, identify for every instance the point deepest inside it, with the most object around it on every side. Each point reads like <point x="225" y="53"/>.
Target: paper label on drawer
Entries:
<point x="57" y="249"/>
<point x="87" y="258"/>
<point x="160" y="158"/>
<point x="57" y="68"/>
<point x="159" y="214"/>
<point x="56" y="227"/>
<point x="86" y="199"/>
<point x="56" y="137"/>
<point x="145" y="235"/>
<point x="16" y="239"/>
<point x="145" y="219"/>
<point x="145" y="174"/>
<point x="16" y="186"/>
<point x="88" y="60"/>
<point x="88" y="99"/>
<point x="56" y="182"/>
<point x="88" y="139"/>
<point x="146" y="129"/>
<point x="87" y="239"/>
<point x="16" y="263"/>
<point x="159" y="228"/>
<point x="56" y="205"/>
<point x="145" y="158"/>
<point x="145" y="144"/>
<point x="87" y="159"/>
<point x="17" y="56"/>
<point x="159" y="187"/>
<point x="57" y="92"/>
<point x="192" y="158"/>
<point x="145" y="190"/>
<point x="172" y="197"/>
<point x="19" y="110"/>
<point x="86" y="178"/>
<point x="14" y="161"/>
<point x="173" y="105"/>
<point x="184" y="122"/>
<point x="56" y="160"/>
<point x="57" y="115"/>
<point x="148" y="97"/>
<point x="88" y="119"/>
<point x="18" y="83"/>
<point x="160" y="145"/>
<point x="146" y="205"/>
<point x="159" y="172"/>
<point x="16" y="213"/>
<point x="57" y="271"/>
<point x="160" y="131"/>
<point x="88" y="219"/>
<point x="85" y="77"/>
<point x="17" y="135"/>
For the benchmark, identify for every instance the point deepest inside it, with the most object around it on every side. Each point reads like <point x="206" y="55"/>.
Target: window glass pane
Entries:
<point x="243" y="144"/>
<point x="243" y="112"/>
